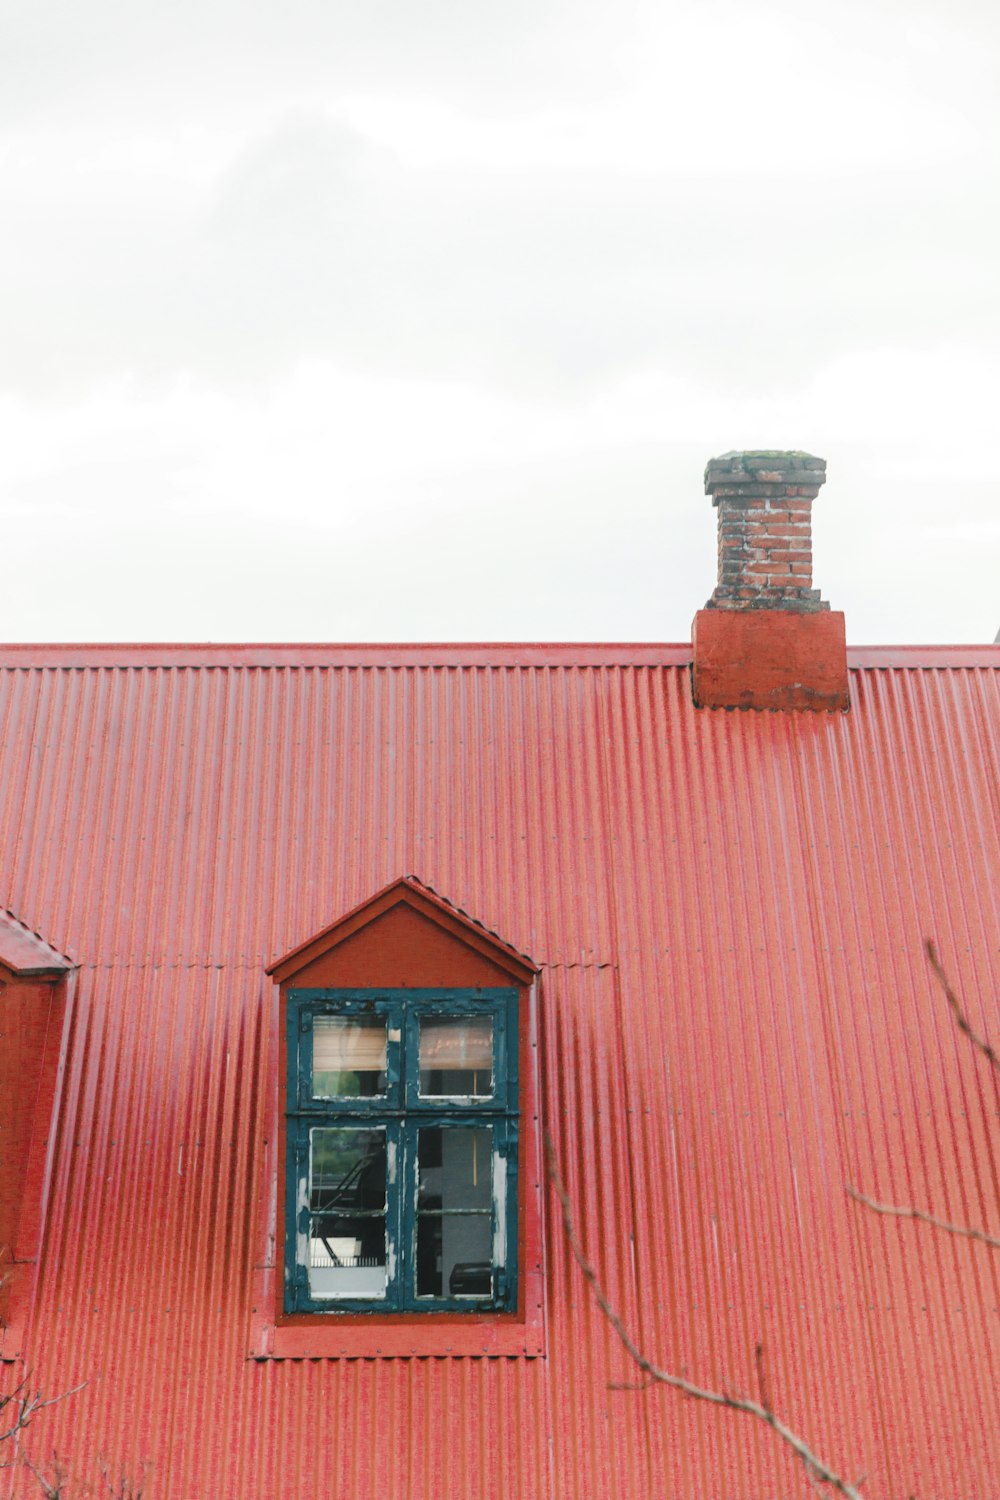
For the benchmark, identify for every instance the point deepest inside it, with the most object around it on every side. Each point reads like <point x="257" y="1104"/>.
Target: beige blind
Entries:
<point x="459" y="1044"/>
<point x="348" y="1046"/>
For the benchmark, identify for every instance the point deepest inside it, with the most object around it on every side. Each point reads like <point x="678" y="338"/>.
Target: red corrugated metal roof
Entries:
<point x="729" y="910"/>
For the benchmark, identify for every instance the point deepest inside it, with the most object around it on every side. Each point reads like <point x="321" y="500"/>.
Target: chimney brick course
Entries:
<point x="764" y="500"/>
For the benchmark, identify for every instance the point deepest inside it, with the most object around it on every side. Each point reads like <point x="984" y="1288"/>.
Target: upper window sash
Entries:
<point x="403" y="1011"/>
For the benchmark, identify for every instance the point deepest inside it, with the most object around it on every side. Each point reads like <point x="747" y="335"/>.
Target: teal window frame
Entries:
<point x="401" y="1112"/>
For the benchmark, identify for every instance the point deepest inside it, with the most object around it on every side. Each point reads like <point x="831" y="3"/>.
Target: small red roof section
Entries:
<point x="421" y="898"/>
<point x="24" y="952"/>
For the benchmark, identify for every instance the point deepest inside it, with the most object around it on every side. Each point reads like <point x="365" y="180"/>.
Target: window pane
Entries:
<point x="347" y="1234"/>
<point x="456" y="1056"/>
<point x="454" y="1255"/>
<point x="454" y="1211"/>
<point x="454" y="1168"/>
<point x="349" y="1057"/>
<point x="347" y="1256"/>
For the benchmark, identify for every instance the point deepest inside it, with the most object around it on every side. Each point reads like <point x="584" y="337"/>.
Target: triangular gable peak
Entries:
<point x="25" y="954"/>
<point x="405" y="936"/>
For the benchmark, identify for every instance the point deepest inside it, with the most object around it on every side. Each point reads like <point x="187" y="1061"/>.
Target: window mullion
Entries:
<point x="395" y="1131"/>
<point x="405" y="1210"/>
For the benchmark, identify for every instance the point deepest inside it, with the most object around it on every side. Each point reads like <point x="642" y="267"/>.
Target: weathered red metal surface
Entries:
<point x="770" y="659"/>
<point x="729" y="911"/>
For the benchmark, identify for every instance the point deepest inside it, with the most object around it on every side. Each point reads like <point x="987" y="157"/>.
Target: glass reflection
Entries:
<point x="456" y="1057"/>
<point x="454" y="1211"/>
<point x="349" y="1057"/>
<point x="347" y="1201"/>
<point x="454" y="1256"/>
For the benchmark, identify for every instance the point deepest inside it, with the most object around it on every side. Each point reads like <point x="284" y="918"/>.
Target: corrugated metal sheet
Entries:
<point x="737" y="1020"/>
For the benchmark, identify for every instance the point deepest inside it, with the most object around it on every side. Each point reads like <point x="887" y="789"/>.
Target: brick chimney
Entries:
<point x="766" y="639"/>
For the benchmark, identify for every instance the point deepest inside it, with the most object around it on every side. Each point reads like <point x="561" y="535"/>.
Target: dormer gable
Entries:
<point x="406" y="936"/>
<point x="25" y="954"/>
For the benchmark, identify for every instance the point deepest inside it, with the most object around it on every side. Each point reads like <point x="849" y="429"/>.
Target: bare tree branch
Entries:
<point x="25" y="1406"/>
<point x="968" y="1231"/>
<point x="53" y="1487"/>
<point x="814" y="1485"/>
<point x="961" y="1019"/>
<point x="125" y="1487"/>
<point x="814" y="1466"/>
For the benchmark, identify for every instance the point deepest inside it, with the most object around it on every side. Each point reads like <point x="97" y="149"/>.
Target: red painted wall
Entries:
<point x="27" y="1009"/>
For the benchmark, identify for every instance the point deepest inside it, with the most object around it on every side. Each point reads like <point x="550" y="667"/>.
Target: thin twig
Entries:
<point x="27" y="1406"/>
<point x="814" y="1484"/>
<point x="51" y="1489"/>
<point x="961" y="1019"/>
<point x="814" y="1466"/>
<point x="968" y="1231"/>
<point x="125" y="1488"/>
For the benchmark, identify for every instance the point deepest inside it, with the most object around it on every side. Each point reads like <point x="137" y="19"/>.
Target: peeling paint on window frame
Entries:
<point x="402" y="1110"/>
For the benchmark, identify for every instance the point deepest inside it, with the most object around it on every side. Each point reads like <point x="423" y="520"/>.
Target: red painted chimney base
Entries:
<point x="770" y="658"/>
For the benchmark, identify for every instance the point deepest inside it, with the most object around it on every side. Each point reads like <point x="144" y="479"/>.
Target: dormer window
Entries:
<point x="406" y="1193"/>
<point x="401" y="1155"/>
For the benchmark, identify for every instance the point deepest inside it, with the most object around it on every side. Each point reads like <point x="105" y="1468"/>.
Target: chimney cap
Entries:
<point x="764" y="466"/>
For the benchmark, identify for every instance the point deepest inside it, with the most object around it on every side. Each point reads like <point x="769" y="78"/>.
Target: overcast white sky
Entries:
<point x="418" y="319"/>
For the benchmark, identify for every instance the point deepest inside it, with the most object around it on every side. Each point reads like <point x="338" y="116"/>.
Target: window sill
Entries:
<point x="332" y="1336"/>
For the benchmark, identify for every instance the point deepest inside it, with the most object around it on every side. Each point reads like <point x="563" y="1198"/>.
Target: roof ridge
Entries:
<point x="26" y="656"/>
